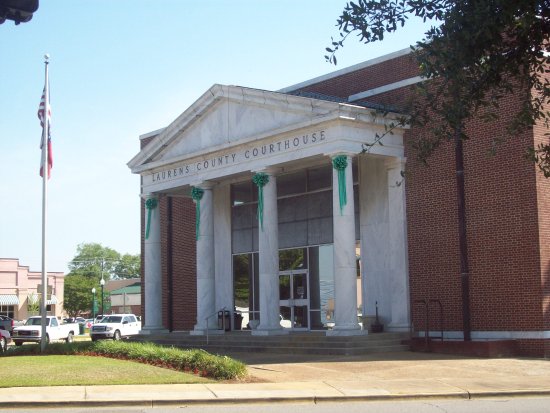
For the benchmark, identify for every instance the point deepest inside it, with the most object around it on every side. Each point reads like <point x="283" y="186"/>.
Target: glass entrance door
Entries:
<point x="294" y="299"/>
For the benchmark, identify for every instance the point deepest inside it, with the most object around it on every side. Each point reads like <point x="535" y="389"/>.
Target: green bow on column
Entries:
<point x="261" y="179"/>
<point x="150" y="204"/>
<point x="196" y="194"/>
<point x="340" y="163"/>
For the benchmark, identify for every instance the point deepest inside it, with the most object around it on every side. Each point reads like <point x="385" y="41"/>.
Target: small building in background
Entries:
<point x="20" y="290"/>
<point x="125" y="296"/>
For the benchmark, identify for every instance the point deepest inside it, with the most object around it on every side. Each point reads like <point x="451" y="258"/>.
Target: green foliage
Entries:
<point x="91" y="263"/>
<point x="196" y="361"/>
<point x="241" y="283"/>
<point x="33" y="304"/>
<point x="129" y="266"/>
<point x="478" y="52"/>
<point x="93" y="260"/>
<point x="291" y="259"/>
<point x="78" y="294"/>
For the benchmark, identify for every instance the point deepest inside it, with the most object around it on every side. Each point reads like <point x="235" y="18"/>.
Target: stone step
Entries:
<point x="217" y="349"/>
<point x="254" y="343"/>
<point x="315" y="337"/>
<point x="298" y="343"/>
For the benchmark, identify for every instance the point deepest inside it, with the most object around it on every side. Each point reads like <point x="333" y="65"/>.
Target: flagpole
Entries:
<point x="45" y="175"/>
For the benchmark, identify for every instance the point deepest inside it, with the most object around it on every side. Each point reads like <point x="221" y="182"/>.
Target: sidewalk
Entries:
<point x="292" y="378"/>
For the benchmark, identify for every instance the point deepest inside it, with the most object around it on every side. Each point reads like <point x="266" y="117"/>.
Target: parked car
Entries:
<point x="5" y="339"/>
<point x="78" y="320"/>
<point x="116" y="326"/>
<point x="32" y="330"/>
<point x="6" y="323"/>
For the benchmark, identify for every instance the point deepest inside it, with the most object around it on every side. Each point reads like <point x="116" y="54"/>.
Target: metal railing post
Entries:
<point x="212" y="315"/>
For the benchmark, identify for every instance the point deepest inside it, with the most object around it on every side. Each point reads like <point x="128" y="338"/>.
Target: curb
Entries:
<point x="271" y="400"/>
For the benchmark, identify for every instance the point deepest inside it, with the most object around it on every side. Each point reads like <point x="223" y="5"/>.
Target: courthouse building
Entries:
<point x="263" y="203"/>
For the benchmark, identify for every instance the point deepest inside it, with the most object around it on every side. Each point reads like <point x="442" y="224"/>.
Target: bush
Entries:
<point x="196" y="361"/>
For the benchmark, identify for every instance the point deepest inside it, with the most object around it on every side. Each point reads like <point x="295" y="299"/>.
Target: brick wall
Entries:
<point x="184" y="292"/>
<point x="371" y="77"/>
<point x="508" y="224"/>
<point x="543" y="197"/>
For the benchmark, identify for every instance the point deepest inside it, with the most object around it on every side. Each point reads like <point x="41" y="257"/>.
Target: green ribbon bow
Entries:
<point x="196" y="194"/>
<point x="340" y="163"/>
<point x="150" y="204"/>
<point x="261" y="179"/>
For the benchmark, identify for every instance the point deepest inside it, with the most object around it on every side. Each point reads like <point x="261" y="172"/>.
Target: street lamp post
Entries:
<point x="93" y="304"/>
<point x="102" y="283"/>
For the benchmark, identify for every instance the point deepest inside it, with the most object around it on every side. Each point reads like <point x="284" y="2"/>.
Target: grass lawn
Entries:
<point x="74" y="370"/>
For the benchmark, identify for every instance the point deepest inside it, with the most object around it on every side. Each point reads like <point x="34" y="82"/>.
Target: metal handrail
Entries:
<point x="212" y="315"/>
<point x="440" y="315"/>
<point x="426" y="304"/>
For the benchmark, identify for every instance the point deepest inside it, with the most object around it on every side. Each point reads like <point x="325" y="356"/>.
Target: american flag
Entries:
<point x="41" y="109"/>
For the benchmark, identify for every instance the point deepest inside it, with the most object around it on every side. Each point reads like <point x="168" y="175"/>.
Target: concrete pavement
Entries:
<point x="299" y="378"/>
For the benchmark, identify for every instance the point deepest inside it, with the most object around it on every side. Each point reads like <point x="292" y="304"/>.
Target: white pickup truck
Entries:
<point x="116" y="326"/>
<point x="31" y="331"/>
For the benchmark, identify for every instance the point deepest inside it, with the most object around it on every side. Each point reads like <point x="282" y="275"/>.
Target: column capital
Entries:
<point x="395" y="162"/>
<point x="333" y="155"/>
<point x="206" y="185"/>
<point x="269" y="170"/>
<point x="148" y="195"/>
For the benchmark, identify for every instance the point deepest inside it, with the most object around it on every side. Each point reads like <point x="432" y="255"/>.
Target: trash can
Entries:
<point x="81" y="329"/>
<point x="238" y="321"/>
<point x="224" y="319"/>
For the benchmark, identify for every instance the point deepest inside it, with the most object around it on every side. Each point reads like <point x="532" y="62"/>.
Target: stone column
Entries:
<point x="206" y="295"/>
<point x="345" y="274"/>
<point x="268" y="245"/>
<point x="153" y="270"/>
<point x="398" y="252"/>
<point x="222" y="247"/>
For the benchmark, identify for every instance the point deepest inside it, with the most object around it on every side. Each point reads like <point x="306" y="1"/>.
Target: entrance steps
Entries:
<point x="313" y="342"/>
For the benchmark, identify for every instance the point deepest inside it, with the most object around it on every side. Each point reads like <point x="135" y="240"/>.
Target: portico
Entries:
<point x="286" y="206"/>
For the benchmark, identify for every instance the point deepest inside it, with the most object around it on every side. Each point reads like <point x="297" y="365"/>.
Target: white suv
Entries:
<point x="115" y="326"/>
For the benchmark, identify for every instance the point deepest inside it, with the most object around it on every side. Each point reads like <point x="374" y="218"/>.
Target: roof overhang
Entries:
<point x="228" y="124"/>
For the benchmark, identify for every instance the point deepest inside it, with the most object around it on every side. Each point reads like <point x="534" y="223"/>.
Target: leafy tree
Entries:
<point x="33" y="304"/>
<point x="95" y="261"/>
<point x="129" y="266"/>
<point x="477" y="51"/>
<point x="78" y="294"/>
<point x="91" y="263"/>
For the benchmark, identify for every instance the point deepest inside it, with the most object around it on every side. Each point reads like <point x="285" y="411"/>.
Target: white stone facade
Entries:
<point x="232" y="133"/>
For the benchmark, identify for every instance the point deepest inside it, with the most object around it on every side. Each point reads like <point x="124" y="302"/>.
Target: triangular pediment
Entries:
<point x="226" y="116"/>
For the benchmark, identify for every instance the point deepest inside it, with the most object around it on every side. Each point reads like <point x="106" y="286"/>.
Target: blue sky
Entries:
<point x="122" y="68"/>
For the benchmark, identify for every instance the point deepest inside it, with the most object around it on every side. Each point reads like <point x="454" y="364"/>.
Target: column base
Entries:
<point x="347" y="331"/>
<point x="398" y="327"/>
<point x="200" y="331"/>
<point x="153" y="330"/>
<point x="269" y="332"/>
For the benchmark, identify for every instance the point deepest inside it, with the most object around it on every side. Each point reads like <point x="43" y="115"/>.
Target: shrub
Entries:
<point x="197" y="361"/>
